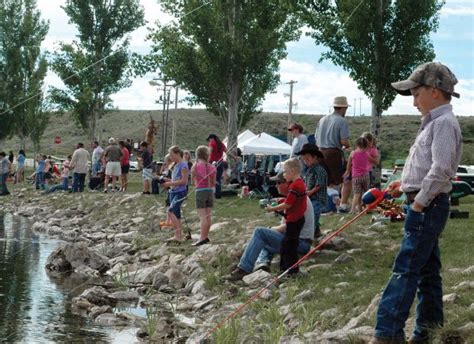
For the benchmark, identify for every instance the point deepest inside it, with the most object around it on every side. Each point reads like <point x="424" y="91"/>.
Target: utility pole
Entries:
<point x="290" y="107"/>
<point x="355" y="102"/>
<point x="173" y="128"/>
<point x="360" y="106"/>
<point x="165" y="100"/>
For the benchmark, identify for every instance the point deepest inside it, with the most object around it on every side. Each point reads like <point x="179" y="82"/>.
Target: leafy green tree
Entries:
<point x="94" y="66"/>
<point x="226" y="53"/>
<point x="376" y="41"/>
<point x="22" y="69"/>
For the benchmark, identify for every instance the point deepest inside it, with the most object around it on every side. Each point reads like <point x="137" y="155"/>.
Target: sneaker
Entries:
<point x="237" y="275"/>
<point x="343" y="209"/>
<point x="105" y="191"/>
<point x="265" y="266"/>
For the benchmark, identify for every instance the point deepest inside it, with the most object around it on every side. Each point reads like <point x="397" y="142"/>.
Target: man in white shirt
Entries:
<point x="79" y="164"/>
<point x="96" y="158"/>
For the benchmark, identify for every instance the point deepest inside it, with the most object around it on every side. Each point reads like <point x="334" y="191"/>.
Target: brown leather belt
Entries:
<point x="410" y="196"/>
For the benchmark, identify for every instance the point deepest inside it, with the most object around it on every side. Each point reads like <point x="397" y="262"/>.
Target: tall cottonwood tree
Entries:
<point x="94" y="66"/>
<point x="226" y="53"/>
<point x="376" y="41"/>
<point x="22" y="71"/>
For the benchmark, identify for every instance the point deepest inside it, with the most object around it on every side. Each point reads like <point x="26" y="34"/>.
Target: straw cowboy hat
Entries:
<point x="340" y="102"/>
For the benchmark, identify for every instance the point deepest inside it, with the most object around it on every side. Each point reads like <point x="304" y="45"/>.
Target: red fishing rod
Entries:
<point x="372" y="198"/>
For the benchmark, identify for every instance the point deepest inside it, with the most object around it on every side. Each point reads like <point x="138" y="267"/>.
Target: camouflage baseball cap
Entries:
<point x="432" y="74"/>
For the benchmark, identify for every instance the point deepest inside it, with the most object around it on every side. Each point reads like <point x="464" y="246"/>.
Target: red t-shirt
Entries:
<point x="125" y="160"/>
<point x="216" y="155"/>
<point x="297" y="199"/>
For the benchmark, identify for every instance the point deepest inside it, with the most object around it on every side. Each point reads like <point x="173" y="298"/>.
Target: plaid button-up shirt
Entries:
<point x="317" y="175"/>
<point x="434" y="157"/>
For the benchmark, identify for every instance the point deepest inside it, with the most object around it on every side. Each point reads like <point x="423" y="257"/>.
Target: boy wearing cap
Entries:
<point x="266" y="242"/>
<point x="426" y="182"/>
<point x="316" y="180"/>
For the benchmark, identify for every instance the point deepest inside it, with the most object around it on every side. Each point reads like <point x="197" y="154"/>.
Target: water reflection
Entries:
<point x="34" y="308"/>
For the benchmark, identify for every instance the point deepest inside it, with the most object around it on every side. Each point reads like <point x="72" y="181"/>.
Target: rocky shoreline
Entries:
<point x="118" y="254"/>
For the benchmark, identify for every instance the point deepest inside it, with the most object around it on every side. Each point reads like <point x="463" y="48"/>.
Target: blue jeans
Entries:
<point x="96" y="166"/>
<point x="78" y="180"/>
<point x="39" y="179"/>
<point x="265" y="241"/>
<point x="219" y="173"/>
<point x="176" y="199"/>
<point x="62" y="186"/>
<point x="416" y="270"/>
<point x="317" y="209"/>
<point x="3" y="184"/>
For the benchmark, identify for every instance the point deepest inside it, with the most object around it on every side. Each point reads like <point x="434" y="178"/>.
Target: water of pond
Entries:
<point x="34" y="308"/>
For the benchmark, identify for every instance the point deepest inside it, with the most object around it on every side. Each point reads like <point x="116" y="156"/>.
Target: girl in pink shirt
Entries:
<point x="204" y="178"/>
<point x="360" y="166"/>
<point x="373" y="153"/>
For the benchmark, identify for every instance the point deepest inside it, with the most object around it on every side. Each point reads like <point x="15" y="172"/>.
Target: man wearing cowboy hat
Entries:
<point x="426" y="182"/>
<point x="332" y="135"/>
<point x="316" y="180"/>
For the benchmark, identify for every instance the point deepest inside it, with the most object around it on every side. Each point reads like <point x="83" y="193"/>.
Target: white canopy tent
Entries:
<point x="264" y="144"/>
<point x="243" y="136"/>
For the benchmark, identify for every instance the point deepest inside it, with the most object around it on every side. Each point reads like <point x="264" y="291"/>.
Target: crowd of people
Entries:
<point x="425" y="181"/>
<point x="314" y="180"/>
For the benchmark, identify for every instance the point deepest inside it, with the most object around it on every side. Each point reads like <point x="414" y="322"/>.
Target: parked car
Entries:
<point x="133" y="163"/>
<point x="465" y="173"/>
<point x="386" y="174"/>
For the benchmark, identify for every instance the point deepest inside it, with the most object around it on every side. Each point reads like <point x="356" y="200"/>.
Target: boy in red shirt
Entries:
<point x="294" y="206"/>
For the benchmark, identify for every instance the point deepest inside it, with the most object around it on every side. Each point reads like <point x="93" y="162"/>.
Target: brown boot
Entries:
<point x="237" y="275"/>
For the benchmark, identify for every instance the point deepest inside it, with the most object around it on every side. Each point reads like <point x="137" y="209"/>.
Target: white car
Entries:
<point x="386" y="174"/>
<point x="133" y="162"/>
<point x="465" y="173"/>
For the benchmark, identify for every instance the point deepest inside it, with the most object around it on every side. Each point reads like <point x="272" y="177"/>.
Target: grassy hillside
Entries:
<point x="193" y="126"/>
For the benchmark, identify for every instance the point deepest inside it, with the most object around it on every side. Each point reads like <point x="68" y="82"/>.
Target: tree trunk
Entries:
<point x="22" y="141"/>
<point x="233" y="117"/>
<point x="375" y="129"/>
<point x="93" y="125"/>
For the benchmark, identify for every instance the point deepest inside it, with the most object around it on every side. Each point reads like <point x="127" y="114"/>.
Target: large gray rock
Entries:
<point x="67" y="257"/>
<point x="143" y="275"/>
<point x="176" y="278"/>
<point x="129" y="296"/>
<point x="110" y="319"/>
<point x="450" y="298"/>
<point x="256" y="278"/>
<point x="159" y="280"/>
<point x="95" y="311"/>
<point x="98" y="296"/>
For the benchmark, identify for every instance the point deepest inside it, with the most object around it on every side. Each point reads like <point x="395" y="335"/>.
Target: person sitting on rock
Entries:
<point x="266" y="242"/>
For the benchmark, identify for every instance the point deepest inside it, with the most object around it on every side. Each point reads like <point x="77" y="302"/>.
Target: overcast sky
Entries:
<point x="318" y="83"/>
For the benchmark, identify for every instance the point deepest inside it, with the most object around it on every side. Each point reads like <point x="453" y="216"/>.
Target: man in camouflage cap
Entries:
<point x="426" y="181"/>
